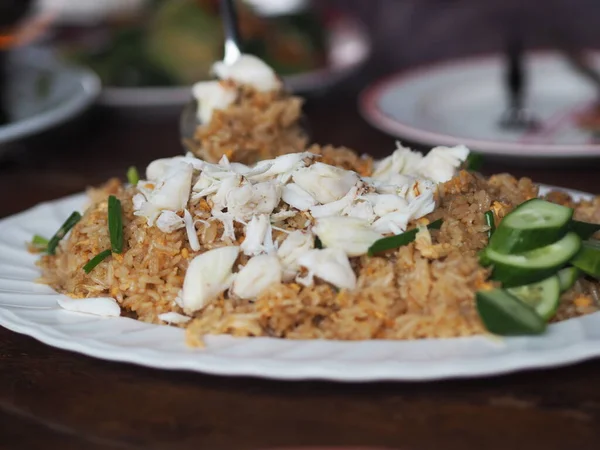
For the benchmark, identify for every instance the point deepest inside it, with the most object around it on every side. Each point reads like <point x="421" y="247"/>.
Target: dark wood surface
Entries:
<point x="56" y="399"/>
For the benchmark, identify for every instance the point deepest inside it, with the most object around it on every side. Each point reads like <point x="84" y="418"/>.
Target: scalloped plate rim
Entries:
<point x="275" y="366"/>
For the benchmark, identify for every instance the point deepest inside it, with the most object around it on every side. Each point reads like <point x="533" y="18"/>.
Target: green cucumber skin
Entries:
<point x="492" y="308"/>
<point x="511" y="277"/>
<point x="567" y="277"/>
<point x="551" y="287"/>
<point x="588" y="259"/>
<point x="585" y="230"/>
<point x="536" y="269"/>
<point x="509" y="240"/>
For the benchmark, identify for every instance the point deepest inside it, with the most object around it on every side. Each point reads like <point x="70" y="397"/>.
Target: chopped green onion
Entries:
<point x="391" y="242"/>
<point x="39" y="242"/>
<point x="133" y="176"/>
<point x="318" y="243"/>
<point x="489" y="219"/>
<point x="92" y="263"/>
<point x="474" y="162"/>
<point x="115" y="224"/>
<point x="62" y="231"/>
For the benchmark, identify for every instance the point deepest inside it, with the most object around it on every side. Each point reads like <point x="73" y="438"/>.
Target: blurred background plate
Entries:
<point x="41" y="93"/>
<point x="150" y="53"/>
<point x="461" y="101"/>
<point x="347" y="48"/>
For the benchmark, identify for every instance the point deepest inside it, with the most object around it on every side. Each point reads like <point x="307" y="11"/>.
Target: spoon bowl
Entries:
<point x="189" y="121"/>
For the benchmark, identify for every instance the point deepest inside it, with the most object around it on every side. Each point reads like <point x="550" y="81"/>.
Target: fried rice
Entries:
<point x="422" y="290"/>
<point x="259" y="125"/>
<point x="425" y="289"/>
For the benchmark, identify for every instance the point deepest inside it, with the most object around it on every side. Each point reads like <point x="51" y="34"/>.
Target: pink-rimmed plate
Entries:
<point x="461" y="101"/>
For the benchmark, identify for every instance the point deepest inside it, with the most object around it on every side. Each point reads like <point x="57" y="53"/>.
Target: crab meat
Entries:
<point x="158" y="169"/>
<point x="174" y="318"/>
<point x="191" y="231"/>
<point x="351" y="235"/>
<point x="440" y="163"/>
<point x="211" y="96"/>
<point x="325" y="183"/>
<point x="329" y="264"/>
<point x="297" y="197"/>
<point x="98" y="306"/>
<point x="258" y="236"/>
<point x="207" y="276"/>
<point x="169" y="221"/>
<point x="295" y="244"/>
<point x="402" y="161"/>
<point x="258" y="274"/>
<point x="337" y="207"/>
<point x="171" y="193"/>
<point x="250" y="70"/>
<point x="251" y="199"/>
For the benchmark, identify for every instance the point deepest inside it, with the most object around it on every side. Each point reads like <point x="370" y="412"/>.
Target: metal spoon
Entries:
<point x="516" y="116"/>
<point x="188" y="121"/>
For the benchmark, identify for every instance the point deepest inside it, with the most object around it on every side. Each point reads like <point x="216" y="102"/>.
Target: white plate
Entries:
<point x="30" y="308"/>
<point x="460" y="102"/>
<point x="69" y="90"/>
<point x="348" y="47"/>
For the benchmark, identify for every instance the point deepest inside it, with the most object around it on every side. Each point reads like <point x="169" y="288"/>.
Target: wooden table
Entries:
<point x="55" y="399"/>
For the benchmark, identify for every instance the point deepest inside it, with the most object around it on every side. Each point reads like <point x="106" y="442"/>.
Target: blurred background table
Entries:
<point x="55" y="399"/>
<point x="103" y="144"/>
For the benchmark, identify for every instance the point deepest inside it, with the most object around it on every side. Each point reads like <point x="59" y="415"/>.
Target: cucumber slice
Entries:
<point x="533" y="224"/>
<point x="567" y="277"/>
<point x="585" y="230"/>
<point x="542" y="296"/>
<point x="504" y="314"/>
<point x="534" y="265"/>
<point x="588" y="258"/>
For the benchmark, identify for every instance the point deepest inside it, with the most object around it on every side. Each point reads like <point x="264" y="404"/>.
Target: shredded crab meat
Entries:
<point x="191" y="231"/>
<point x="208" y="275"/>
<point x="258" y="274"/>
<point x="304" y="197"/>
<point x="99" y="306"/>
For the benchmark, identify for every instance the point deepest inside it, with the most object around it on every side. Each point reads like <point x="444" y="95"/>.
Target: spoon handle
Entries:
<point x="232" y="35"/>
<point x="515" y="73"/>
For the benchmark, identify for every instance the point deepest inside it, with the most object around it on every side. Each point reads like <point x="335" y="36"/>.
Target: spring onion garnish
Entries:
<point x="62" y="231"/>
<point x="318" y="243"/>
<point x="474" y="162"/>
<point x="391" y="242"/>
<point x="489" y="220"/>
<point x="92" y="263"/>
<point x="133" y="176"/>
<point x="115" y="224"/>
<point x="39" y="242"/>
